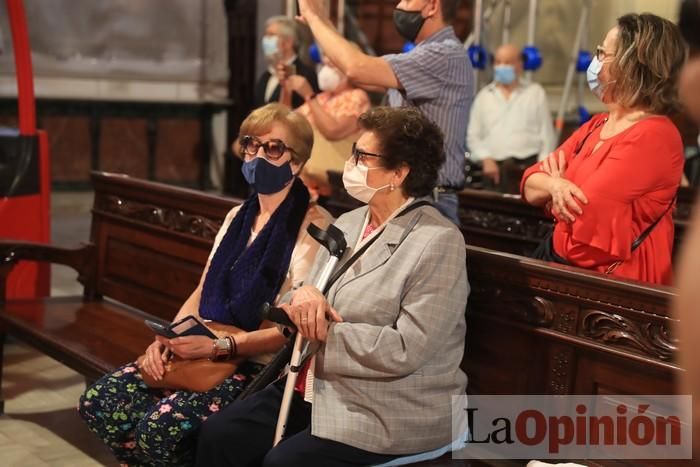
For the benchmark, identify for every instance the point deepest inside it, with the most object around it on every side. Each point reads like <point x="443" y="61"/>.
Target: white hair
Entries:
<point x="286" y="24"/>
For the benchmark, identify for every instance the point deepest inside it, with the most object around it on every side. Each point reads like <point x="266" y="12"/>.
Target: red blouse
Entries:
<point x="629" y="182"/>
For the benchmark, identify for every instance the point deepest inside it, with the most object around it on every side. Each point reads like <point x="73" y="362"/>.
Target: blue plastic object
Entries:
<point x="478" y="56"/>
<point x="456" y="445"/>
<point x="584" y="59"/>
<point x="408" y="46"/>
<point x="583" y="115"/>
<point x="315" y="53"/>
<point x="532" y="59"/>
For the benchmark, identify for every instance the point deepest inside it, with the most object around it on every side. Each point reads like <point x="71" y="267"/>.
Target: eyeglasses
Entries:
<point x="274" y="149"/>
<point x="601" y="54"/>
<point x="359" y="155"/>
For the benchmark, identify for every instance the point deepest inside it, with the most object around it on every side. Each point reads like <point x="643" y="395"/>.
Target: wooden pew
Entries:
<point x="538" y="328"/>
<point x="148" y="245"/>
<point x="505" y="223"/>
<point x="533" y="328"/>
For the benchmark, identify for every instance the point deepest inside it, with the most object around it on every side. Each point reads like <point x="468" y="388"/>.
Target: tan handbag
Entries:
<point x="198" y="375"/>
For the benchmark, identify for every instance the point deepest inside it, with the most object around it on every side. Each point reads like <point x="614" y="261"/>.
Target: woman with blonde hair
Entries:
<point x="261" y="252"/>
<point x="611" y="186"/>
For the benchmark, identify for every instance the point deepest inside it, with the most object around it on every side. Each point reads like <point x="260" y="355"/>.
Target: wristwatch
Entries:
<point x="221" y="351"/>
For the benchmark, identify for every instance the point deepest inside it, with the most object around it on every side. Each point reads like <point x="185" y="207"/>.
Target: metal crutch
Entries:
<point x="332" y="240"/>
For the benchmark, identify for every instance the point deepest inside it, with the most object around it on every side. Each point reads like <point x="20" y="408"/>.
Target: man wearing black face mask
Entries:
<point x="436" y="76"/>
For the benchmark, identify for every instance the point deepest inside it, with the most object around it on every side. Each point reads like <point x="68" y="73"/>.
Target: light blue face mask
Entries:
<point x="504" y="74"/>
<point x="269" y="46"/>
<point x="592" y="77"/>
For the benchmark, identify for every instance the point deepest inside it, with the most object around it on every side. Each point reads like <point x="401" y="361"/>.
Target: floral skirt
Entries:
<point x="145" y="426"/>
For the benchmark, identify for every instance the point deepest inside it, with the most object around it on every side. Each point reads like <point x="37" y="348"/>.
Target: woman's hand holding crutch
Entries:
<point x="311" y="313"/>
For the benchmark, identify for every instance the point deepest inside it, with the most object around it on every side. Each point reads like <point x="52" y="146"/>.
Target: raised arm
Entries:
<point x="363" y="70"/>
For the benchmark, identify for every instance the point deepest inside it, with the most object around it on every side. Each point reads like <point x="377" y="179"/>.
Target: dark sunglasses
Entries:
<point x="359" y="155"/>
<point x="274" y="149"/>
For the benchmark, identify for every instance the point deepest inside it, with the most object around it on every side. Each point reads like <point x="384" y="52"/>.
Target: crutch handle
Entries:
<point x="279" y="316"/>
<point x="276" y="315"/>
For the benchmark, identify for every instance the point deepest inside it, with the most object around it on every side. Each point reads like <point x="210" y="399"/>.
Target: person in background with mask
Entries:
<point x="335" y="110"/>
<point x="391" y="333"/>
<point x="279" y="45"/>
<point x="436" y="77"/>
<point x="333" y="113"/>
<point x="612" y="185"/>
<point x="261" y="252"/>
<point x="510" y="125"/>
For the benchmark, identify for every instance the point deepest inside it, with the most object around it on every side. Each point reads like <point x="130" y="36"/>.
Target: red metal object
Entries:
<point x="23" y="66"/>
<point x="26" y="217"/>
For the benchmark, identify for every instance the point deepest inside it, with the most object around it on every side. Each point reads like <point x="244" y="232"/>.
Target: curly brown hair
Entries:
<point x="648" y="60"/>
<point x="407" y="137"/>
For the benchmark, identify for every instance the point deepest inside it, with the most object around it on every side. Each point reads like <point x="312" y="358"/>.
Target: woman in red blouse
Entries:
<point x="618" y="174"/>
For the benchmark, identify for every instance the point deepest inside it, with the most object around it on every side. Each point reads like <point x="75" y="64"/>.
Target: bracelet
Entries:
<point x="233" y="347"/>
<point x="221" y="350"/>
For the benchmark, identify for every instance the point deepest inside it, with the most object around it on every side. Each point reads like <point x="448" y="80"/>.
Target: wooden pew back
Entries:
<point x="532" y="327"/>
<point x="152" y="241"/>
<point x="535" y="328"/>
<point x="505" y="223"/>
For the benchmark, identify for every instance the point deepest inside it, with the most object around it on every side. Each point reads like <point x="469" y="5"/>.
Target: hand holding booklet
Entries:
<point x="187" y="326"/>
<point x="197" y="375"/>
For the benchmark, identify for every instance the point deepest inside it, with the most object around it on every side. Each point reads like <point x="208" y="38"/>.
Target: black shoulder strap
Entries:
<point x="646" y="233"/>
<point x="346" y="265"/>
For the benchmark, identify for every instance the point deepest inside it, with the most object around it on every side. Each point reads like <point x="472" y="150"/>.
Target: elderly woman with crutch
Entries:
<point x="389" y="333"/>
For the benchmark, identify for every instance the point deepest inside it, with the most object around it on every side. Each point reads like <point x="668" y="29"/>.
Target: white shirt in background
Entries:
<point x="518" y="127"/>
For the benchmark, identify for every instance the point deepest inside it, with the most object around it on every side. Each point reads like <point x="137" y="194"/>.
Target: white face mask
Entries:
<point x="270" y="46"/>
<point x="329" y="78"/>
<point x="355" y="181"/>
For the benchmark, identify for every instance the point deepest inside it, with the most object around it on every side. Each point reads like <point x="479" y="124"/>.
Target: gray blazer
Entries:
<point x="385" y="376"/>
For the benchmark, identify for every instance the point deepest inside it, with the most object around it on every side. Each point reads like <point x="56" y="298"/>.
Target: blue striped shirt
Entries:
<point x="437" y="78"/>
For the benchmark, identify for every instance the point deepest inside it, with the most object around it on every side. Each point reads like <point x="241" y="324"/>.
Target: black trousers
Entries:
<point x="242" y="435"/>
<point x="512" y="171"/>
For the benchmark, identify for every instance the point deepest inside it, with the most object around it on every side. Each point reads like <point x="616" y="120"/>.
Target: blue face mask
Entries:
<point x="269" y="46"/>
<point x="266" y="178"/>
<point x="504" y="74"/>
<point x="592" y="77"/>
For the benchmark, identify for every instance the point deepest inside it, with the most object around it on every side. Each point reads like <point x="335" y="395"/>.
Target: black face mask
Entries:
<point x="408" y="23"/>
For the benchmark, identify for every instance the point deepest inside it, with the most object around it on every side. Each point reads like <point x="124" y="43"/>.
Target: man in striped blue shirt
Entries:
<point x="436" y="77"/>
